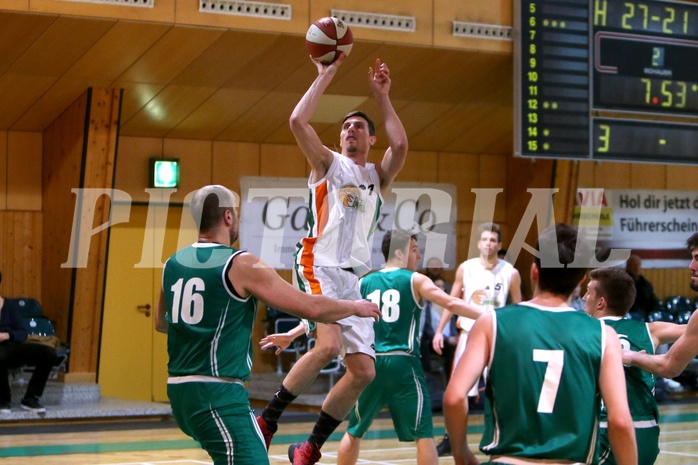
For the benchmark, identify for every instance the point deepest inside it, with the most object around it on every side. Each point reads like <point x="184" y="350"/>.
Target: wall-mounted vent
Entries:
<point x="486" y="31"/>
<point x="256" y="9"/>
<point x="376" y="20"/>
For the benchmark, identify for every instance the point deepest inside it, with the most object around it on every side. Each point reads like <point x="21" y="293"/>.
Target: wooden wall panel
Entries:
<point x="18" y="93"/>
<point x="78" y="155"/>
<point x="586" y="174"/>
<point x="163" y="10"/>
<point x="464" y="243"/>
<point x="203" y="162"/>
<point x="20" y="257"/>
<point x="132" y="165"/>
<point x="105" y="61"/>
<point x="228" y="104"/>
<point x="19" y="32"/>
<point x="679" y="177"/>
<point x="670" y="282"/>
<point x="3" y="171"/>
<point x="232" y="160"/>
<point x="479" y="11"/>
<point x="566" y="183"/>
<point x="419" y="167"/>
<point x="88" y="297"/>
<point x="170" y="106"/>
<point x="419" y="9"/>
<point x="195" y="168"/>
<point x="62" y="153"/>
<point x="172" y="53"/>
<point x="20" y="5"/>
<point x="523" y="174"/>
<point x="611" y="175"/>
<point x="60" y="46"/>
<point x="24" y="171"/>
<point x="473" y="11"/>
<point x="463" y="171"/>
<point x="282" y="161"/>
<point x="188" y="13"/>
<point x="493" y="175"/>
<point x="646" y="176"/>
<point x="62" y="93"/>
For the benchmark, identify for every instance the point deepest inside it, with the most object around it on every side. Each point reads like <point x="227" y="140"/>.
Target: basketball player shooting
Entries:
<point x="338" y="248"/>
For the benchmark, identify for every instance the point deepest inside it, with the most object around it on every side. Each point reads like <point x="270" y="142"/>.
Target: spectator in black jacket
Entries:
<point x="645" y="300"/>
<point x="15" y="352"/>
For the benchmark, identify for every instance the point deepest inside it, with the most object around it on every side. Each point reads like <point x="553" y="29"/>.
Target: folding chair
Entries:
<point x="42" y="326"/>
<point x="678" y="304"/>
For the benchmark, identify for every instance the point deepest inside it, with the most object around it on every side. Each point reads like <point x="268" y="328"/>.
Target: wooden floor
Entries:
<point x="162" y="443"/>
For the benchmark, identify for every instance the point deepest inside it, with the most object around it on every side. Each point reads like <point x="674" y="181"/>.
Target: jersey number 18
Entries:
<point x="389" y="304"/>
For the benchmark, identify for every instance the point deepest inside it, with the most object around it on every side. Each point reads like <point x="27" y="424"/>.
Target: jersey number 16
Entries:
<point x="186" y="302"/>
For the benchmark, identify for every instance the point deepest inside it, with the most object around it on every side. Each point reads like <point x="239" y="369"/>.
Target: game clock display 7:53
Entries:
<point x="591" y="72"/>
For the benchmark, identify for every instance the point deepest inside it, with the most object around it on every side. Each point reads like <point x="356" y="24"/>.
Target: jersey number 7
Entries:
<point x="551" y="381"/>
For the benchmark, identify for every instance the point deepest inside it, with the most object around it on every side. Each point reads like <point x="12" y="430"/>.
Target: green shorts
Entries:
<point x="647" y="446"/>
<point x="219" y="417"/>
<point x="401" y="386"/>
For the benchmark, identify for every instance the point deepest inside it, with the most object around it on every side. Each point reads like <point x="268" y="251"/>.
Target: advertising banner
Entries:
<point x="653" y="224"/>
<point x="273" y="213"/>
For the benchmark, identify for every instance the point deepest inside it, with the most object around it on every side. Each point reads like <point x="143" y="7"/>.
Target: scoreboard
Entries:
<point x="606" y="80"/>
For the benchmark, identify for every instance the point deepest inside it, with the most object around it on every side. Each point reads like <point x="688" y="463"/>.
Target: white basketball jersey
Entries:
<point x="486" y="289"/>
<point x="344" y="210"/>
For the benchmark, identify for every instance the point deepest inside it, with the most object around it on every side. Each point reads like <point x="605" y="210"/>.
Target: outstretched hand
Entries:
<point x="323" y="68"/>
<point x="629" y="356"/>
<point x="437" y="343"/>
<point x="282" y="340"/>
<point x="379" y="78"/>
<point x="367" y="309"/>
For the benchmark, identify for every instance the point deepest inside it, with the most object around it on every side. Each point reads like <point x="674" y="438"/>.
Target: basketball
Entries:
<point x="327" y="38"/>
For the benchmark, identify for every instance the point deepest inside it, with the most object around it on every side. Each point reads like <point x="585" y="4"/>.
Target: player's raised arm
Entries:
<point x="395" y="155"/>
<point x="319" y="156"/>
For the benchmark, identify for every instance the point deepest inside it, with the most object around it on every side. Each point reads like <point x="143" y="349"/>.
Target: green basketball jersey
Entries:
<point x="398" y="328"/>
<point x="635" y="336"/>
<point x="209" y="324"/>
<point x="542" y="399"/>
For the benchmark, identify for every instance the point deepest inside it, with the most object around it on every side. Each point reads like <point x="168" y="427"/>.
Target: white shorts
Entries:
<point x="357" y="333"/>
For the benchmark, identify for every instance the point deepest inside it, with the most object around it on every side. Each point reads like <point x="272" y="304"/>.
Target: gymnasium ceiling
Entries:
<point x="228" y="85"/>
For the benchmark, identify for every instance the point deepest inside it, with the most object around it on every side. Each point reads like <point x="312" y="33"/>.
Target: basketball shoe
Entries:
<point x="266" y="431"/>
<point x="303" y="453"/>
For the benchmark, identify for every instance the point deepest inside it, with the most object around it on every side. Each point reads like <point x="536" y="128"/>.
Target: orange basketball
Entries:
<point x="327" y="38"/>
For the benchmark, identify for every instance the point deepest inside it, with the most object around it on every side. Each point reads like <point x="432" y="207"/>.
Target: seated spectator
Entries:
<point x="15" y="352"/>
